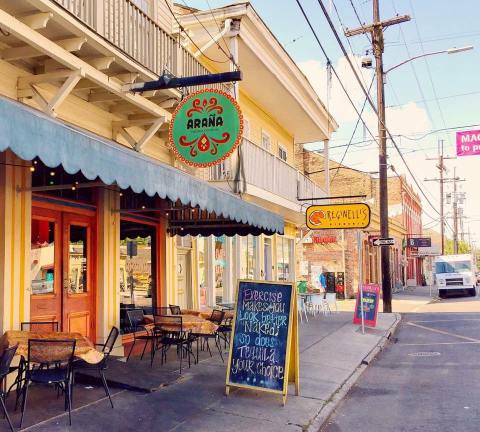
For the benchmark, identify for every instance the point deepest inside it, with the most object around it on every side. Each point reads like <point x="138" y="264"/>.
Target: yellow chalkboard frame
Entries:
<point x="292" y="357"/>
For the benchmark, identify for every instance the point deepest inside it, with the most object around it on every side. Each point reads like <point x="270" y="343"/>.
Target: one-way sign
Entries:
<point x="383" y="242"/>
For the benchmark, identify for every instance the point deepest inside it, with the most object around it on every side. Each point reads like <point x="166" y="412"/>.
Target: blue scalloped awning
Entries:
<point x="30" y="133"/>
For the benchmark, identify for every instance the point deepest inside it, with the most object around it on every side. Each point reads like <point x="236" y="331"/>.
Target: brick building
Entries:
<point x="404" y="217"/>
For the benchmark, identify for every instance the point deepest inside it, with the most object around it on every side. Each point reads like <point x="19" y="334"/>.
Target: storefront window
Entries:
<point x="284" y="259"/>
<point x="77" y="256"/>
<point x="248" y="257"/>
<point x="42" y="257"/>
<point x="137" y="270"/>
<point x="220" y="256"/>
<point x="202" y="270"/>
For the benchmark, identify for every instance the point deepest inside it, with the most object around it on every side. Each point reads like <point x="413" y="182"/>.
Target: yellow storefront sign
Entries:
<point x="335" y="216"/>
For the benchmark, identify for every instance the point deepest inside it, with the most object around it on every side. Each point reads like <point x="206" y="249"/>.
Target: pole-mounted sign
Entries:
<point x="338" y="216"/>
<point x="383" y="241"/>
<point x="206" y="128"/>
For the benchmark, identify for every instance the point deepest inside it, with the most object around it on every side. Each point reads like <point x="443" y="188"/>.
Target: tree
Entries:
<point x="463" y="247"/>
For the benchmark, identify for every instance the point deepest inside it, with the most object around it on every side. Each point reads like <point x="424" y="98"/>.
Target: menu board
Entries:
<point x="260" y="349"/>
<point x="371" y="295"/>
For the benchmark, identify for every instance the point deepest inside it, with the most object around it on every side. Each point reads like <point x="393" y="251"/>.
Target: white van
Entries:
<point x="455" y="272"/>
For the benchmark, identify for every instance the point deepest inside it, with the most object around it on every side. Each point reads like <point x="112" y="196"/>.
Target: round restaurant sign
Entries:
<point x="206" y="128"/>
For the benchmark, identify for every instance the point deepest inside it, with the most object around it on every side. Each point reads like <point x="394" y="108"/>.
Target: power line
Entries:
<point x="339" y="41"/>
<point x="353" y="133"/>
<point x="182" y="29"/>
<point x="334" y="70"/>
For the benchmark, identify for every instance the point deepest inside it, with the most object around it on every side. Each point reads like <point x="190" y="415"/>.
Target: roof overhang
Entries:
<point x="263" y="60"/>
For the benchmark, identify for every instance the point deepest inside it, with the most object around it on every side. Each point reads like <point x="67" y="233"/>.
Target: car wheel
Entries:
<point x="472" y="292"/>
<point x="441" y="293"/>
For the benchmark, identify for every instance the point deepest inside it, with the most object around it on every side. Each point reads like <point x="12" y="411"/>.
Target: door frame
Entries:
<point x="53" y="208"/>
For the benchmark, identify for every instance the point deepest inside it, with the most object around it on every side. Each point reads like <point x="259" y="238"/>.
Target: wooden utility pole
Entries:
<point x="442" y="169"/>
<point x="376" y="30"/>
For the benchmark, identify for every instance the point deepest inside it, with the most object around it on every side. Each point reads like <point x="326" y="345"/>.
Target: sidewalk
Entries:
<point x="331" y="352"/>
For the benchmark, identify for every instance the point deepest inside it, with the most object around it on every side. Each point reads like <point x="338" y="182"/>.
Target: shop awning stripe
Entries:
<point x="30" y="133"/>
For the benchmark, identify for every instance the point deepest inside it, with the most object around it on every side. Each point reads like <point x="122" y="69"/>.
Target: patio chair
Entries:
<point x="107" y="348"/>
<point x="140" y="332"/>
<point x="5" y="361"/>
<point x="302" y="308"/>
<point x="225" y="330"/>
<point x="39" y="326"/>
<point x="318" y="304"/>
<point x="216" y="317"/>
<point x="179" y="338"/>
<point x="49" y="361"/>
<point x="331" y="299"/>
<point x="175" y="309"/>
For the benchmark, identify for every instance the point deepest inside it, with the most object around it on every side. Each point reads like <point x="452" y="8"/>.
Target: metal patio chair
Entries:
<point x="216" y="317"/>
<point x="107" y="348"/>
<point x="49" y="362"/>
<point x="136" y="319"/>
<point x="5" y="362"/>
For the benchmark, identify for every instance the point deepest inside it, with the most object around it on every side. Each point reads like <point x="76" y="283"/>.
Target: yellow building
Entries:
<point x="90" y="193"/>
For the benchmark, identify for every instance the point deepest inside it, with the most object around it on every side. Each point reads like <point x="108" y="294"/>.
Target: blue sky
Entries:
<point x="436" y="25"/>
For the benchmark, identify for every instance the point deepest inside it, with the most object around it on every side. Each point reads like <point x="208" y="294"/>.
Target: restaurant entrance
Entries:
<point x="62" y="269"/>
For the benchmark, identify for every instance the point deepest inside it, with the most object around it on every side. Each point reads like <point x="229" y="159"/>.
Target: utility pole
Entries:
<point x="442" y="169"/>
<point x="376" y="30"/>
<point x="455" y="212"/>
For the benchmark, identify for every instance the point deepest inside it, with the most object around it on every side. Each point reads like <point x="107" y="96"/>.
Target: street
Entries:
<point x="427" y="379"/>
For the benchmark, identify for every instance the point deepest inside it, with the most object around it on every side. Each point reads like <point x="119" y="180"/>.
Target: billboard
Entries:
<point x="468" y="143"/>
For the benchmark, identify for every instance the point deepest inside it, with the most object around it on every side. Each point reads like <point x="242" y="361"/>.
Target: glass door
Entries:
<point x="78" y="264"/>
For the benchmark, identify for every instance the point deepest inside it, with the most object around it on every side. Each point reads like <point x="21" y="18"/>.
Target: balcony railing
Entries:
<point x="264" y="170"/>
<point x="127" y="27"/>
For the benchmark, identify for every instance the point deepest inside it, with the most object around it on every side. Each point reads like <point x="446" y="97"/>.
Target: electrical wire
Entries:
<point x="353" y="133"/>
<point x="182" y="29"/>
<point x="334" y="70"/>
<point x="339" y="41"/>
<point x="229" y="54"/>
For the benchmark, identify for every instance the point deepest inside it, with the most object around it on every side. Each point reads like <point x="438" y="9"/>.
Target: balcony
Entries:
<point x="130" y="29"/>
<point x="266" y="180"/>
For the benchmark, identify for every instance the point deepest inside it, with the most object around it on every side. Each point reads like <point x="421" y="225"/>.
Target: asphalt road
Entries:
<point x="427" y="379"/>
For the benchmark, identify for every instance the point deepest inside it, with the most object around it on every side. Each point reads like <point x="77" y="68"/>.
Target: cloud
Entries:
<point x="405" y="119"/>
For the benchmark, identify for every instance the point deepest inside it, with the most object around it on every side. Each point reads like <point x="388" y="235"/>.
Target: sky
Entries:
<point x="425" y="95"/>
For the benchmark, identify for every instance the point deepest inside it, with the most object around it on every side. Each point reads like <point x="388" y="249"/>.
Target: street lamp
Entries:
<point x="453" y="50"/>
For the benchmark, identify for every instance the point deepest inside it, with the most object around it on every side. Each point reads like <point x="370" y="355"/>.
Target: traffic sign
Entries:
<point x="384" y="241"/>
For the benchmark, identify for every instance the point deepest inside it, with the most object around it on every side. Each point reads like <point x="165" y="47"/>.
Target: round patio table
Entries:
<point x="206" y="313"/>
<point x="190" y="323"/>
<point x="83" y="349"/>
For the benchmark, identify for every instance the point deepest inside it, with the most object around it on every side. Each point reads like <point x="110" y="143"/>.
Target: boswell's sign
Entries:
<point x="206" y="128"/>
<point x="335" y="216"/>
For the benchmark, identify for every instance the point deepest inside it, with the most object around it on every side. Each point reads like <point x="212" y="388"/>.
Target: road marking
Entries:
<point x="437" y="343"/>
<point x="442" y="332"/>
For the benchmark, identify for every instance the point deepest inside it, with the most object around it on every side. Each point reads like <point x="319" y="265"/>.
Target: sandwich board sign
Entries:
<point x="369" y="303"/>
<point x="264" y="352"/>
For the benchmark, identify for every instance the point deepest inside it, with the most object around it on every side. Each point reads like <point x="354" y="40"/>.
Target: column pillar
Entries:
<point x="108" y="263"/>
<point x="15" y="241"/>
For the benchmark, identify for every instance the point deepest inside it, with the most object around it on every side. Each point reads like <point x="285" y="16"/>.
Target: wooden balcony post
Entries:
<point x="99" y="15"/>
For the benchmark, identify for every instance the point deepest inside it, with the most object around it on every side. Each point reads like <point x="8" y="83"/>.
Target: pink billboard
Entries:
<point x="468" y="143"/>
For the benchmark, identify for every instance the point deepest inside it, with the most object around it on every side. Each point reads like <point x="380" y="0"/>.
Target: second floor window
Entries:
<point x="282" y="152"/>
<point x="266" y="144"/>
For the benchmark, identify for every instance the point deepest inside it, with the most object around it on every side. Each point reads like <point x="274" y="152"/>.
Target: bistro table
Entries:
<point x="206" y="313"/>
<point x="84" y="349"/>
<point x="191" y="323"/>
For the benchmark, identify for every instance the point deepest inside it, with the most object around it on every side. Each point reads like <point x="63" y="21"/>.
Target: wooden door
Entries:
<point x="46" y="266"/>
<point x="78" y="274"/>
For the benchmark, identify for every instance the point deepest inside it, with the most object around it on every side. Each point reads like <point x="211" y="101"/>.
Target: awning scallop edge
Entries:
<point x="30" y="133"/>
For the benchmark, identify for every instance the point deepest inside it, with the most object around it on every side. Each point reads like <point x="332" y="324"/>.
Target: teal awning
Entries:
<point x="30" y="134"/>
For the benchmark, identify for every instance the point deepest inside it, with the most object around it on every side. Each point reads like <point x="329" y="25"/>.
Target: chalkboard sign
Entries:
<point x="371" y="295"/>
<point x="261" y="345"/>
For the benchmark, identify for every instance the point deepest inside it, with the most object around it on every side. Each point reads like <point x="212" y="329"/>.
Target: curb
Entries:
<point x="330" y="406"/>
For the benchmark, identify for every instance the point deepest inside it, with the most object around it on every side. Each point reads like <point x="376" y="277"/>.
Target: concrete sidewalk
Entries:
<point x="331" y="354"/>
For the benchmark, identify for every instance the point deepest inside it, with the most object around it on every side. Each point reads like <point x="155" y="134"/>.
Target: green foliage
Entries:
<point x="463" y="247"/>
